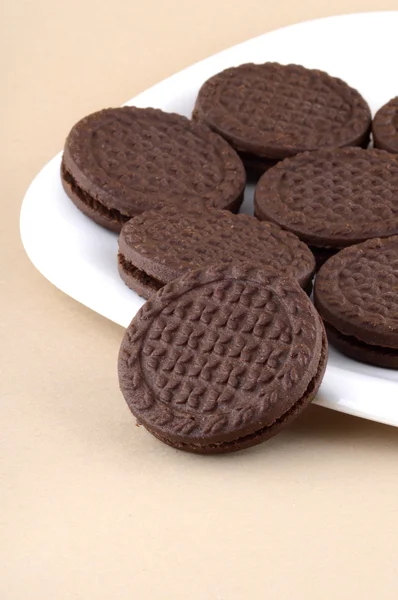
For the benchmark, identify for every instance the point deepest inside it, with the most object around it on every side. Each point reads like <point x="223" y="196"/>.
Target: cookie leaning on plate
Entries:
<point x="356" y="294"/>
<point x="332" y="198"/>
<point x="222" y="358"/>
<point x="269" y="111"/>
<point x="120" y="162"/>
<point x="158" y="246"/>
<point x="385" y="127"/>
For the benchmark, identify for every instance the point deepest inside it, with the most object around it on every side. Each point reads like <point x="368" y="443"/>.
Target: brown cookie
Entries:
<point x="222" y="358"/>
<point x="158" y="246"/>
<point x="385" y="127"/>
<point x="274" y="111"/>
<point x="356" y="294"/>
<point x="332" y="198"/>
<point x="120" y="162"/>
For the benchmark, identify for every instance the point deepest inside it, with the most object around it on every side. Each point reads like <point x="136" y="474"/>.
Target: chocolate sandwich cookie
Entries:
<point x="268" y="112"/>
<point x="332" y="198"/>
<point x="222" y="358"/>
<point x="159" y="246"/>
<point x="120" y="162"/>
<point x="385" y="127"/>
<point x="356" y="295"/>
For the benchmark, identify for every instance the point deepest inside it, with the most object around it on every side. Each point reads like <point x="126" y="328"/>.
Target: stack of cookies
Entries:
<point x="229" y="348"/>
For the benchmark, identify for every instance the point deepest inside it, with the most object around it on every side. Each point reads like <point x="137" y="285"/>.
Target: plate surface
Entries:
<point x="79" y="257"/>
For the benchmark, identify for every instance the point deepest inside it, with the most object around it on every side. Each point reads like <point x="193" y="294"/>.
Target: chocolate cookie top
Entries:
<point x="276" y="111"/>
<point x="220" y="353"/>
<point x="332" y="197"/>
<point x="169" y="242"/>
<point x="356" y="291"/>
<point x="134" y="159"/>
<point x="385" y="126"/>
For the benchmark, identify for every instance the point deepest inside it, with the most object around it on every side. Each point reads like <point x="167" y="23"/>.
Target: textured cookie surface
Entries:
<point x="131" y="159"/>
<point x="356" y="292"/>
<point x="385" y="126"/>
<point x="217" y="357"/>
<point x="332" y="197"/>
<point x="276" y="111"/>
<point x="169" y="242"/>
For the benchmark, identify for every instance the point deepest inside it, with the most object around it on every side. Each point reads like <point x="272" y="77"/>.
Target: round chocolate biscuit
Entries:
<point x="222" y="358"/>
<point x="332" y="198"/>
<point x="275" y="111"/>
<point x="385" y="127"/>
<point x="356" y="294"/>
<point x="120" y="162"/>
<point x="354" y="348"/>
<point x="159" y="246"/>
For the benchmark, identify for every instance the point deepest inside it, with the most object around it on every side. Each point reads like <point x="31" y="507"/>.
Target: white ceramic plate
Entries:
<point x="79" y="257"/>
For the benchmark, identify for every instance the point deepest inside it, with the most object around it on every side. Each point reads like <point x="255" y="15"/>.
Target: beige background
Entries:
<point x="91" y="507"/>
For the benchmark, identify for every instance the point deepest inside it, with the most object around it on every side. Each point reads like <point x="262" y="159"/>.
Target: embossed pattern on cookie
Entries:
<point x="221" y="358"/>
<point x="385" y="127"/>
<point x="158" y="246"/>
<point x="356" y="293"/>
<point x="332" y="198"/>
<point x="276" y="111"/>
<point x="119" y="162"/>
